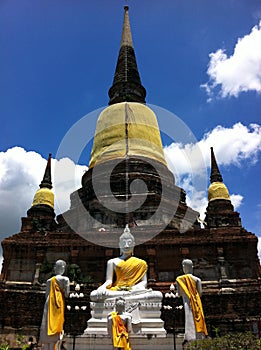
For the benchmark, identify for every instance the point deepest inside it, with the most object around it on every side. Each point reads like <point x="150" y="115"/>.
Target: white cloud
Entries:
<point x="231" y="146"/>
<point x="239" y="72"/>
<point x="20" y="175"/>
<point x="21" y="172"/>
<point x="1" y="262"/>
<point x="67" y="178"/>
<point x="239" y="143"/>
<point x="259" y="247"/>
<point x="236" y="200"/>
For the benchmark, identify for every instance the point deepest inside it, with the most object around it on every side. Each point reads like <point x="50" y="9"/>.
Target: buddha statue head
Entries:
<point x="187" y="266"/>
<point x="126" y="242"/>
<point x="120" y="304"/>
<point x="59" y="267"/>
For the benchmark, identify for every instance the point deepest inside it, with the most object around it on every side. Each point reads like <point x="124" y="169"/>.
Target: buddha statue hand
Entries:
<point x="124" y="288"/>
<point x="101" y="292"/>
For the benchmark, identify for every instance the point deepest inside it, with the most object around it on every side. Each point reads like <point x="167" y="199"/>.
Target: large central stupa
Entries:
<point x="127" y="146"/>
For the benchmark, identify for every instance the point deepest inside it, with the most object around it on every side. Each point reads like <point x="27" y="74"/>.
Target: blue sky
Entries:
<point x="200" y="60"/>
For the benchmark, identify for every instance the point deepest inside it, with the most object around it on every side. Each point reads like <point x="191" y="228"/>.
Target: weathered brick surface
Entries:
<point x="224" y="257"/>
<point x="21" y="309"/>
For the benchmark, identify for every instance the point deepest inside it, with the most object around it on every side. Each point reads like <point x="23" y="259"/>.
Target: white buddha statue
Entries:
<point x="119" y="325"/>
<point x="57" y="288"/>
<point x="190" y="289"/>
<point x="126" y="275"/>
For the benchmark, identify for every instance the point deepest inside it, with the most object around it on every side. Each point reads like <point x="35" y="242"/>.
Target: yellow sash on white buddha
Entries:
<point x="129" y="273"/>
<point x="189" y="287"/>
<point x="55" y="308"/>
<point x="119" y="332"/>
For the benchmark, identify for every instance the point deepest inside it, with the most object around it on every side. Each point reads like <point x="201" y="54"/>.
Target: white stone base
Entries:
<point x="146" y="319"/>
<point x="85" y="342"/>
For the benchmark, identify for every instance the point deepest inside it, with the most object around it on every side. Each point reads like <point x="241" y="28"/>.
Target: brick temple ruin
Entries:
<point x="224" y="253"/>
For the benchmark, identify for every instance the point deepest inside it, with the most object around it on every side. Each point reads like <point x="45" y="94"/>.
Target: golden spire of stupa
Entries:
<point x="217" y="189"/>
<point x="45" y="196"/>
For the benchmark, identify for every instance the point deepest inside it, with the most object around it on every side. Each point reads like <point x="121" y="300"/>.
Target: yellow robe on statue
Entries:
<point x="189" y="287"/>
<point x="55" y="308"/>
<point x="120" y="334"/>
<point x="129" y="273"/>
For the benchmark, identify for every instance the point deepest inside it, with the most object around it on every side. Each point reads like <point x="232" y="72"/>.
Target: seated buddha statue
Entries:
<point x="126" y="275"/>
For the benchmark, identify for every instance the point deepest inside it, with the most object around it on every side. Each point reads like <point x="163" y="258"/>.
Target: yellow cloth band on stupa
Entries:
<point x="142" y="129"/>
<point x="218" y="190"/>
<point x="44" y="196"/>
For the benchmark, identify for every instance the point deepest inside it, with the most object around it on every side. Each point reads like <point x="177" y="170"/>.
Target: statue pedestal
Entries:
<point x="146" y="319"/>
<point x="85" y="342"/>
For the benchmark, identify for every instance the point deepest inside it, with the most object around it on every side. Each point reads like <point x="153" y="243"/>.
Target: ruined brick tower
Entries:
<point x="127" y="146"/>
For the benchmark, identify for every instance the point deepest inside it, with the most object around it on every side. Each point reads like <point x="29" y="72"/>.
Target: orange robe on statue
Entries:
<point x="120" y="334"/>
<point x="188" y="285"/>
<point x="55" y="309"/>
<point x="129" y="273"/>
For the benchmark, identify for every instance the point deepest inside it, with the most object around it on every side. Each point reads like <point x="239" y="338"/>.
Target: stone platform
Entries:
<point x="146" y="321"/>
<point x="85" y="342"/>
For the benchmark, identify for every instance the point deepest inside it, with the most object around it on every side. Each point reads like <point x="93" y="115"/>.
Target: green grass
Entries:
<point x="233" y="341"/>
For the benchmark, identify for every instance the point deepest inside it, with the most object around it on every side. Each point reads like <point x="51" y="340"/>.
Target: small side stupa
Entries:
<point x="220" y="211"/>
<point x="43" y="202"/>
